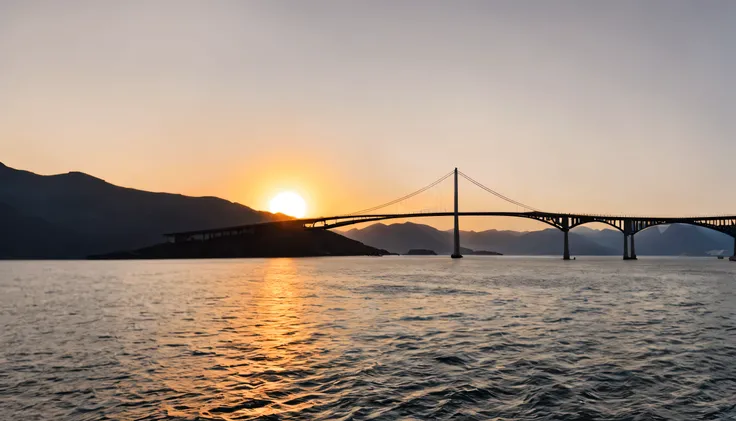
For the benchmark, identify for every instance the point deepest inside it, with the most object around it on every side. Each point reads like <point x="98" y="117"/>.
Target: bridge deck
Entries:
<point x="343" y="220"/>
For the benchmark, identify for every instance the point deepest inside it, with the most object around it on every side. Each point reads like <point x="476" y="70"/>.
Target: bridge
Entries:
<point x="629" y="226"/>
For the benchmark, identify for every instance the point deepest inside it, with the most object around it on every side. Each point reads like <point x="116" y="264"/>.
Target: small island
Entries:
<point x="421" y="252"/>
<point x="486" y="253"/>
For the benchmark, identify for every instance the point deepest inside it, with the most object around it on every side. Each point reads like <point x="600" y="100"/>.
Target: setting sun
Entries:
<point x="288" y="203"/>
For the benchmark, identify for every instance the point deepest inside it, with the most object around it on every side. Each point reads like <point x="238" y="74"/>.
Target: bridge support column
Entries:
<point x="629" y="232"/>
<point x="566" y="231"/>
<point x="456" y="249"/>
<point x="633" y="249"/>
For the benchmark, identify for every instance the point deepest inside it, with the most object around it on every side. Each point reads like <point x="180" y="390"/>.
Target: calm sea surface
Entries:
<point x="369" y="338"/>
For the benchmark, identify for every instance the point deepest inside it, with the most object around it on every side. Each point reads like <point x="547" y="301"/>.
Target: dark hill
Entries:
<point x="27" y="237"/>
<point x="272" y="240"/>
<point x="73" y="215"/>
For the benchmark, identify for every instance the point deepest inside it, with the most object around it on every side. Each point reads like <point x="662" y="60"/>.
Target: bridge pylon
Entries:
<point x="456" y="248"/>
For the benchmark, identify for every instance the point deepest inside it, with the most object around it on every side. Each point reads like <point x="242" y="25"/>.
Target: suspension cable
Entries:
<point x="497" y="194"/>
<point x="408" y="196"/>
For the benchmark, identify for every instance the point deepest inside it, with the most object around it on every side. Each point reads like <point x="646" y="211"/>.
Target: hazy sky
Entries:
<point x="579" y="106"/>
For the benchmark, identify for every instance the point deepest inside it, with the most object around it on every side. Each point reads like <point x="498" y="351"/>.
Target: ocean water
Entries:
<point x="369" y="338"/>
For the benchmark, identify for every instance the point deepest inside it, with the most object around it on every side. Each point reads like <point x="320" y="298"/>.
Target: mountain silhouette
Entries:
<point x="672" y="240"/>
<point x="679" y="239"/>
<point x="73" y="215"/>
<point x="27" y="237"/>
<point x="666" y="240"/>
<point x="398" y="238"/>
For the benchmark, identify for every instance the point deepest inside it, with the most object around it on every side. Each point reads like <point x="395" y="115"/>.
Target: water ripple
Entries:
<point x="381" y="339"/>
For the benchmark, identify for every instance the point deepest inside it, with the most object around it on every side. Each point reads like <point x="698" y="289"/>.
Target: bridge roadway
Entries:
<point x="628" y="225"/>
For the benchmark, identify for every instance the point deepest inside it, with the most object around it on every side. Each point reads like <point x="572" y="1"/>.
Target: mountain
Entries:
<point x="399" y="238"/>
<point x="608" y="237"/>
<point x="73" y="215"/>
<point x="679" y="239"/>
<point x="26" y="237"/>
<point x="666" y="240"/>
<point x="670" y="240"/>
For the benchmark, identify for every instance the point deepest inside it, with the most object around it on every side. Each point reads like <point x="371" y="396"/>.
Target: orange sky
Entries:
<point x="623" y="107"/>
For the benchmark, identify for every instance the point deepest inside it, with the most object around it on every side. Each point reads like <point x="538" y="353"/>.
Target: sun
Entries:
<point x="288" y="203"/>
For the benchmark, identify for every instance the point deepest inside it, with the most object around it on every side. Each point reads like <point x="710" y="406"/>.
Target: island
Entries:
<point x="485" y="253"/>
<point x="421" y="252"/>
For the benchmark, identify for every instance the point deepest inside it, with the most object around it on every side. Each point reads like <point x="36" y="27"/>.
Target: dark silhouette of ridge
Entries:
<point x="272" y="240"/>
<point x="27" y="237"/>
<point x="398" y="238"/>
<point x="73" y="215"/>
<point x="679" y="239"/>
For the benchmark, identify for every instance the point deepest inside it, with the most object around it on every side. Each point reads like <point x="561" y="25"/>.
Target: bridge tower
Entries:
<point x="456" y="249"/>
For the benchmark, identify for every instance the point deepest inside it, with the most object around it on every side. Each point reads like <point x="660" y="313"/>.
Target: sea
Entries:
<point x="369" y="338"/>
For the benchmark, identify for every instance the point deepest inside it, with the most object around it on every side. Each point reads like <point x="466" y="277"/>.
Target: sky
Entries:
<point x="624" y="107"/>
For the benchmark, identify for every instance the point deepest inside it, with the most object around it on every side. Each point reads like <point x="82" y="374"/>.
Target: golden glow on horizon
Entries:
<point x="288" y="203"/>
<point x="363" y="122"/>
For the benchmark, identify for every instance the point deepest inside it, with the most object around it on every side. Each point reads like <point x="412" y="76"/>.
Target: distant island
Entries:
<point x="485" y="253"/>
<point x="421" y="252"/>
<point x="428" y="252"/>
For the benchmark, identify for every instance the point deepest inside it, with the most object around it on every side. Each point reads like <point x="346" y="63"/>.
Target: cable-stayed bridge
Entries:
<point x="628" y="225"/>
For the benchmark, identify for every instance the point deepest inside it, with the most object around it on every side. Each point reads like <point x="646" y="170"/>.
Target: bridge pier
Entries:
<point x="456" y="249"/>
<point x="629" y="233"/>
<point x="633" y="249"/>
<point x="566" y="231"/>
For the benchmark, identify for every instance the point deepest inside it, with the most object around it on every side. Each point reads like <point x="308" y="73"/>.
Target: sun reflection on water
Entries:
<point x="264" y="347"/>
